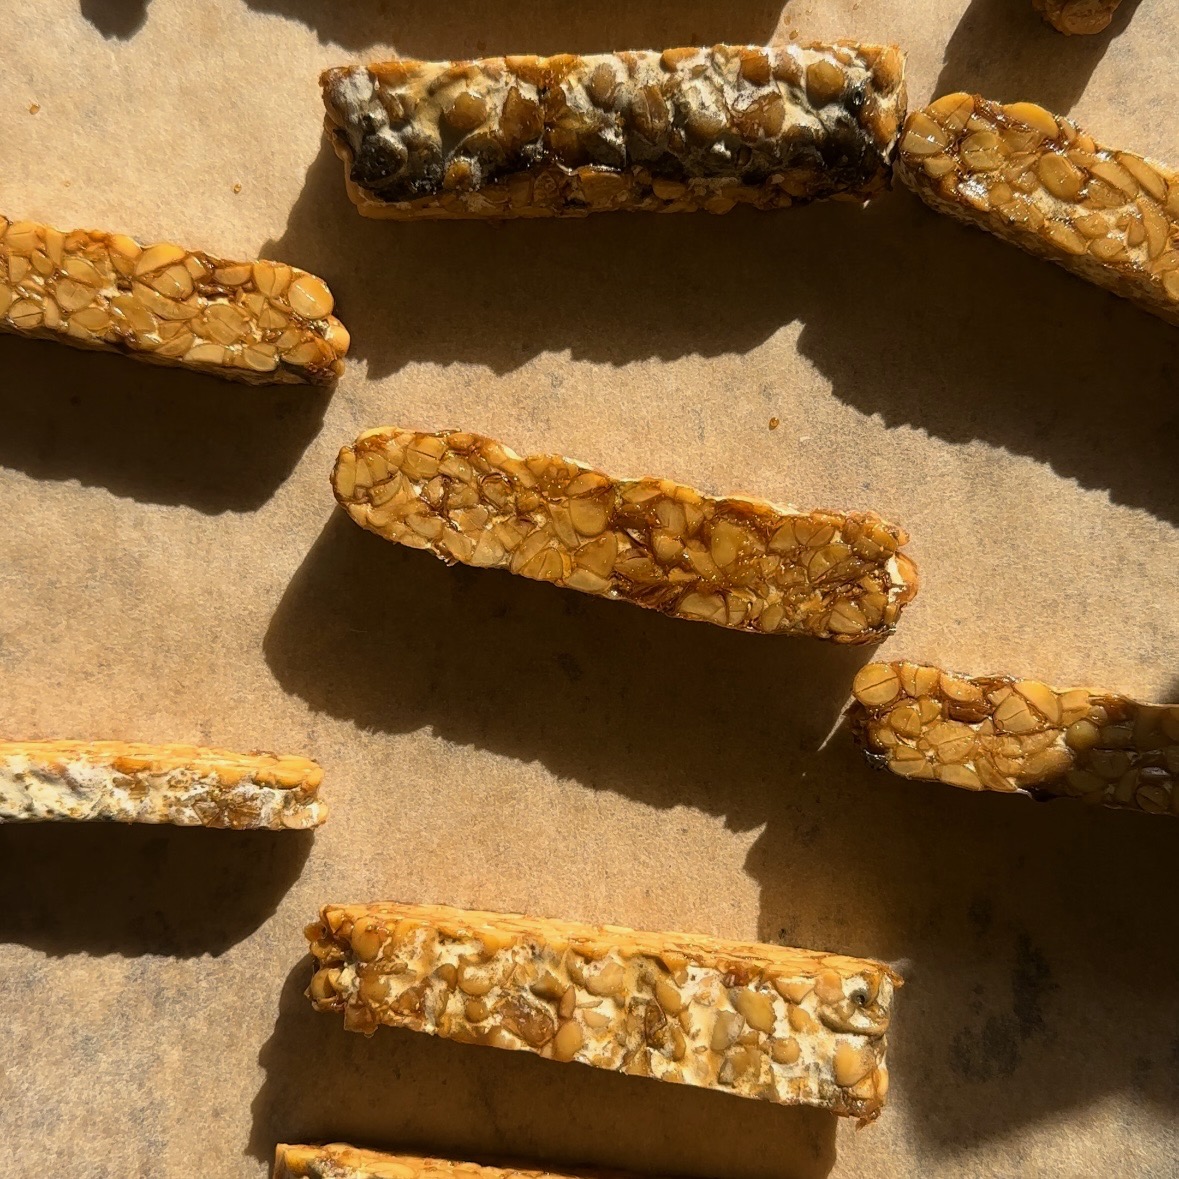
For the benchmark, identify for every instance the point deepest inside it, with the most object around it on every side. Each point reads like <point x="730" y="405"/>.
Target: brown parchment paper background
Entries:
<point x="172" y="568"/>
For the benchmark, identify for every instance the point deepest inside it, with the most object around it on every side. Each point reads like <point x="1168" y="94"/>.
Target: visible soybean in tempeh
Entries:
<point x="681" y="130"/>
<point x="1000" y="733"/>
<point x="121" y="782"/>
<point x="261" y="322"/>
<point x="1039" y="182"/>
<point x="737" y="562"/>
<point x="783" y="1025"/>
<point x="1077" y="16"/>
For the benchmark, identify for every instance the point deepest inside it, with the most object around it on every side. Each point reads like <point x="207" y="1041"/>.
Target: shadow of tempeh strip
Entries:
<point x="783" y="1025"/>
<point x="681" y="130"/>
<point x="1000" y="733"/>
<point x="1036" y="180"/>
<point x="261" y="322"/>
<point x="1077" y="16"/>
<point x="736" y="562"/>
<point x="184" y="785"/>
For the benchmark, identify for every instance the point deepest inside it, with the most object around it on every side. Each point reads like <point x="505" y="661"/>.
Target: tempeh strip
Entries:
<point x="338" y="1160"/>
<point x="183" y="785"/>
<point x="784" y="1025"/>
<point x="1000" y="733"/>
<point x="737" y="562"/>
<point x="1077" y="16"/>
<point x="261" y="322"/>
<point x="681" y="130"/>
<point x="1039" y="182"/>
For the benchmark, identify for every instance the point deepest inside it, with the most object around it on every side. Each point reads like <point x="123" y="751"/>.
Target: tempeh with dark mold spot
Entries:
<point x="672" y="131"/>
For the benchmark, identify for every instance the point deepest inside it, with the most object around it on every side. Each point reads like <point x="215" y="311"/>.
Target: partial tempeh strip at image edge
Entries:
<point x="260" y="322"/>
<point x="1077" y="16"/>
<point x="733" y="561"/>
<point x="340" y="1160"/>
<point x="674" y="130"/>
<point x="182" y="785"/>
<point x="783" y="1025"/>
<point x="1014" y="735"/>
<point x="1039" y="182"/>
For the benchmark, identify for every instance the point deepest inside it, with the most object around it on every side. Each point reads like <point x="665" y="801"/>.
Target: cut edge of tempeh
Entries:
<point x="673" y="130"/>
<point x="1037" y="181"/>
<point x="182" y="785"/>
<point x="1014" y="735"/>
<point x="734" y="561"/>
<point x="1077" y="16"/>
<point x="761" y="1021"/>
<point x="261" y="322"/>
<point x="340" y="1160"/>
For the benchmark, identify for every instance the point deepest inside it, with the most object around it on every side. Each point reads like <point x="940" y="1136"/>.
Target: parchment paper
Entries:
<point x="172" y="569"/>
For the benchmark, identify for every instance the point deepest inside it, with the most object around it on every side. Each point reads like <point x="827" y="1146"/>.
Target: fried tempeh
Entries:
<point x="1000" y="733"/>
<point x="1039" y="182"/>
<point x="1077" y="16"/>
<point x="784" y="1025"/>
<point x="681" y="130"/>
<point x="261" y="322"/>
<point x="737" y="562"/>
<point x="179" y="784"/>
<point x="338" y="1160"/>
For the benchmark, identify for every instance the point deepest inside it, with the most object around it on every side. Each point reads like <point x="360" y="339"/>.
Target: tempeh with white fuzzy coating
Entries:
<point x="184" y="785"/>
<point x="672" y="131"/>
<point x="783" y="1025"/>
<point x="1036" y="180"/>
<point x="1011" y="735"/>
<point x="339" y="1160"/>
<point x="261" y="322"/>
<point x="736" y="562"/>
<point x="1077" y="16"/>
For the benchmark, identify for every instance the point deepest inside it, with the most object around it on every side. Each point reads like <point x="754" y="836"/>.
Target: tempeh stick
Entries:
<point x="261" y="322"/>
<point x="784" y="1025"/>
<point x="183" y="785"/>
<point x="681" y="130"/>
<point x="737" y="562"/>
<point x="1000" y="733"/>
<point x="1077" y="16"/>
<point x="338" y="1160"/>
<point x="1039" y="182"/>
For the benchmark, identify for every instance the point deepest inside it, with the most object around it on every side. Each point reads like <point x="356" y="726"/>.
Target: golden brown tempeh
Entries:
<point x="680" y="130"/>
<point x="736" y="562"/>
<point x="999" y="733"/>
<point x="784" y="1025"/>
<point x="338" y="1160"/>
<point x="262" y="322"/>
<point x="1039" y="182"/>
<point x="1077" y="16"/>
<point x="179" y="784"/>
